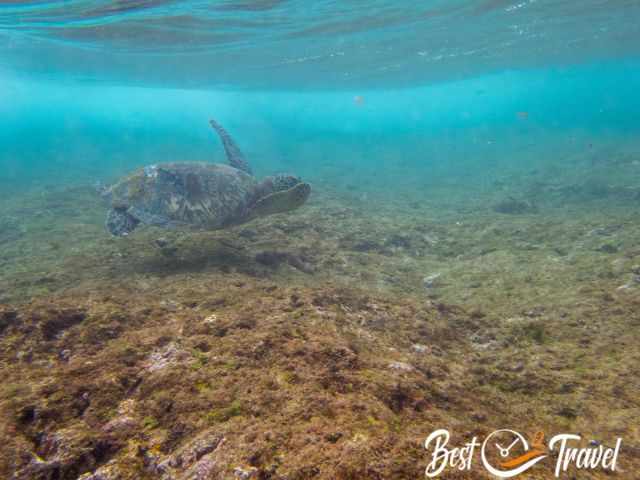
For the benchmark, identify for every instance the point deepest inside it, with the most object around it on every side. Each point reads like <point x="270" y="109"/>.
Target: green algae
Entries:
<point x="149" y="423"/>
<point x="224" y="414"/>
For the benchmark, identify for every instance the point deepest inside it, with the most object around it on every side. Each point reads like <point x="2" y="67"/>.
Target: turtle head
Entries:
<point x="278" y="194"/>
<point x="120" y="222"/>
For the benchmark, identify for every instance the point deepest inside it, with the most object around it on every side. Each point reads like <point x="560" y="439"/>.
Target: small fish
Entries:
<point x="358" y="100"/>
<point x="523" y="115"/>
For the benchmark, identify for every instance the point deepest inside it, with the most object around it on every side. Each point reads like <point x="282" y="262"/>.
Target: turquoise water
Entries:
<point x="298" y="44"/>
<point x="92" y="132"/>
<point x="91" y="89"/>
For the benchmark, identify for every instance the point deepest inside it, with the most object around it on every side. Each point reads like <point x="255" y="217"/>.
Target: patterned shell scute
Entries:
<point x="201" y="195"/>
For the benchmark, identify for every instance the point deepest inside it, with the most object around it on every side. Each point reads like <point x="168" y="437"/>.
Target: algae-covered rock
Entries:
<point x="8" y="317"/>
<point x="514" y="206"/>
<point x="195" y="461"/>
<point x="56" y="321"/>
<point x="67" y="454"/>
<point x="165" y="357"/>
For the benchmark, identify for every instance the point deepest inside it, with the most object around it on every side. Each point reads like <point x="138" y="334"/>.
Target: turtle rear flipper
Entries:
<point x="120" y="222"/>
<point x="281" y="201"/>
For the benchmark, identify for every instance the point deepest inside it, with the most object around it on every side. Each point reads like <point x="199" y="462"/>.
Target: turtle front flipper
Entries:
<point x="120" y="222"/>
<point x="281" y="201"/>
<point x="234" y="155"/>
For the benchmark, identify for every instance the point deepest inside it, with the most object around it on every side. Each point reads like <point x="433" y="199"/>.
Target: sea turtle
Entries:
<point x="201" y="196"/>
